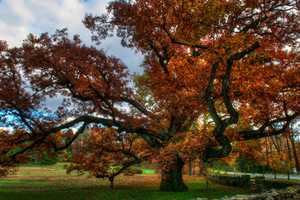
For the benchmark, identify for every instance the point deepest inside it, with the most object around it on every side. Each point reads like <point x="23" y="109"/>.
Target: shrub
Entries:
<point x="247" y="165"/>
<point x="236" y="181"/>
<point x="44" y="158"/>
<point x="219" y="165"/>
<point x="7" y="170"/>
<point x="133" y="170"/>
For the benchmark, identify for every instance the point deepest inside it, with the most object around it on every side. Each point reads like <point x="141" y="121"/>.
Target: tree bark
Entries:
<point x="297" y="163"/>
<point x="267" y="152"/>
<point x="190" y="167"/>
<point x="111" y="180"/>
<point x="171" y="176"/>
<point x="289" y="156"/>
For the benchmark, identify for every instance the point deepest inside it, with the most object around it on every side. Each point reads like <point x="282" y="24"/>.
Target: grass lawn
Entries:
<point x="52" y="183"/>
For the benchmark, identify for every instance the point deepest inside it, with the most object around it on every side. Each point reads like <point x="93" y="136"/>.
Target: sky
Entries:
<point x="18" y="18"/>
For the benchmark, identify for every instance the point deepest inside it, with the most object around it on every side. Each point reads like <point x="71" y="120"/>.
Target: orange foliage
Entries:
<point x="224" y="58"/>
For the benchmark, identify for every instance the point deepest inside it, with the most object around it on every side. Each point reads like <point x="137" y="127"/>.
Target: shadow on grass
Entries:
<point x="82" y="189"/>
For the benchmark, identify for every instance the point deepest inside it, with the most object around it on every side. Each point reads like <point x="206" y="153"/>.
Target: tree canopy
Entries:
<point x="222" y="61"/>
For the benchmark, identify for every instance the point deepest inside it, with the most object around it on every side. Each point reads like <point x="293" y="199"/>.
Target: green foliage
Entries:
<point x="143" y="92"/>
<point x="219" y="165"/>
<point x="44" y="158"/>
<point x="133" y="170"/>
<point x="14" y="151"/>
<point x="246" y="165"/>
<point x="68" y="155"/>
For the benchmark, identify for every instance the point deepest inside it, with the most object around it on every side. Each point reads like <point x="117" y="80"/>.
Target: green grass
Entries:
<point x="149" y="171"/>
<point x="51" y="183"/>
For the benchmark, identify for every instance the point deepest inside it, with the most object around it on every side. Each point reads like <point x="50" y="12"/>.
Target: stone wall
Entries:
<point x="257" y="184"/>
<point x="287" y="194"/>
<point x="234" y="181"/>
<point x="260" y="184"/>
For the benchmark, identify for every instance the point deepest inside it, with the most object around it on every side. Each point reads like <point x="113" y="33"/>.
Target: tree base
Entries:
<point x="173" y="187"/>
<point x="171" y="176"/>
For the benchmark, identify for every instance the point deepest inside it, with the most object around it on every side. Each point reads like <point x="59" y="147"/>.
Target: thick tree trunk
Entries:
<point x="171" y="176"/>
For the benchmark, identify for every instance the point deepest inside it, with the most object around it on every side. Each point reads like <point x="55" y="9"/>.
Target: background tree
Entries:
<point x="106" y="155"/>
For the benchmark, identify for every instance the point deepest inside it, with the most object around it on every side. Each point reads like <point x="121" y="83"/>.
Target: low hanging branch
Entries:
<point x="268" y="128"/>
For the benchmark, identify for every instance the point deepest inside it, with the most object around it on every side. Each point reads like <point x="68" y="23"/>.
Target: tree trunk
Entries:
<point x="171" y="175"/>
<point x="111" y="180"/>
<point x="267" y="152"/>
<point x="190" y="167"/>
<point x="289" y="156"/>
<point x="297" y="164"/>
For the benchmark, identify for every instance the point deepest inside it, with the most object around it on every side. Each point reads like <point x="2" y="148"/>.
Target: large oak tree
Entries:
<point x="231" y="59"/>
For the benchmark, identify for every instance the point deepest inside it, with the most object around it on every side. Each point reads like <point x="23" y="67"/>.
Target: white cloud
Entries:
<point x="19" y="9"/>
<point x="12" y="34"/>
<point x="21" y="17"/>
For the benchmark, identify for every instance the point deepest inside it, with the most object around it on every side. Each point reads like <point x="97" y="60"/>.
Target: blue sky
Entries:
<point x="18" y="18"/>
